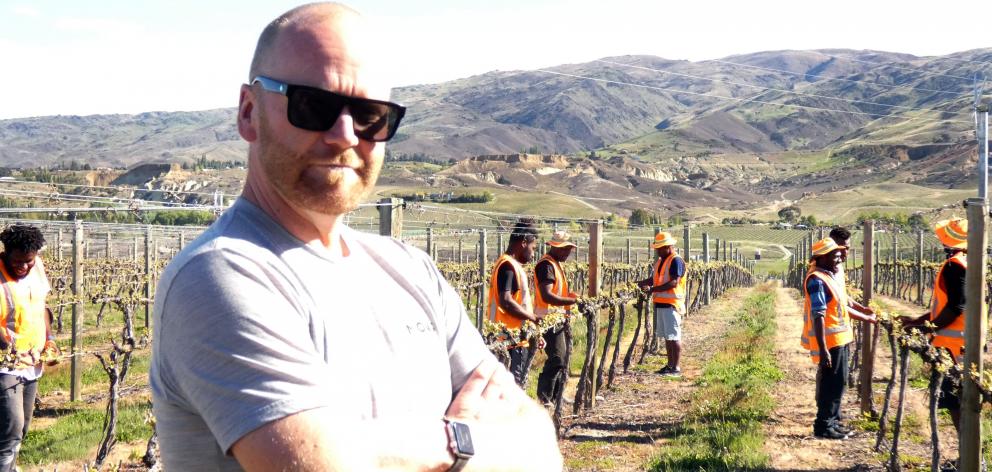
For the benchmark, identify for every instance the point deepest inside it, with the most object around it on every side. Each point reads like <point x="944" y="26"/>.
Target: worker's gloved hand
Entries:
<point x="51" y="354"/>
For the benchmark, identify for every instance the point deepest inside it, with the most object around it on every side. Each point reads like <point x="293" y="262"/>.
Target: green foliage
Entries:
<point x="204" y="163"/>
<point x="614" y="221"/>
<point x="642" y="217"/>
<point x="790" y="214"/>
<point x="809" y="220"/>
<point x="901" y="221"/>
<point x="414" y="157"/>
<point x="45" y="175"/>
<point x="447" y="197"/>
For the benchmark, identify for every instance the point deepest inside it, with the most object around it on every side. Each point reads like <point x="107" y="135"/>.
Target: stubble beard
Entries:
<point x="313" y="188"/>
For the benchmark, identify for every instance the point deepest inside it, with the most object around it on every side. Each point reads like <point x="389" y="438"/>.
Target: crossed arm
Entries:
<point x="509" y="430"/>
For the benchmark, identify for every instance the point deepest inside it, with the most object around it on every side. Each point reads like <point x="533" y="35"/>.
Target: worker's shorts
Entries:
<point x="667" y="323"/>
<point x="950" y="397"/>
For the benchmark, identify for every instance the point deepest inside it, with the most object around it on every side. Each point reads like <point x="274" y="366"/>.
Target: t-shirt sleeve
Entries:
<point x="466" y="349"/>
<point x="506" y="279"/>
<point x="677" y="269"/>
<point x="545" y="273"/>
<point x="818" y="296"/>
<point x="235" y="348"/>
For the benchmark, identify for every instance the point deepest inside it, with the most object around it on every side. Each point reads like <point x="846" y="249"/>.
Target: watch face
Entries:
<point x="463" y="439"/>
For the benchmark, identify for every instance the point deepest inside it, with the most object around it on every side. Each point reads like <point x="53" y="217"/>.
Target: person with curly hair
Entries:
<point x="25" y="325"/>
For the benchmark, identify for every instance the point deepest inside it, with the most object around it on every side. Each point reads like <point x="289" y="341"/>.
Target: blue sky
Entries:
<point x="89" y="57"/>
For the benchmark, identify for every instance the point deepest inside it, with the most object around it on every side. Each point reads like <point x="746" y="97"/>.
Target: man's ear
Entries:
<point x="247" y="124"/>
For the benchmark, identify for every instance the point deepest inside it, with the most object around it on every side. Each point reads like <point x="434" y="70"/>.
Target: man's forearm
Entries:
<point x="515" y="310"/>
<point x="821" y="336"/>
<point x="665" y="286"/>
<point x="317" y="440"/>
<point x="945" y="318"/>
<point x="548" y="296"/>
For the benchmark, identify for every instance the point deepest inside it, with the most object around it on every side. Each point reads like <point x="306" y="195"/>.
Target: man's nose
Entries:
<point x="343" y="132"/>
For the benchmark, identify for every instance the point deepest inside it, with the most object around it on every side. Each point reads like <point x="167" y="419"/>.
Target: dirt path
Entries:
<point x="639" y="416"/>
<point x="790" y="443"/>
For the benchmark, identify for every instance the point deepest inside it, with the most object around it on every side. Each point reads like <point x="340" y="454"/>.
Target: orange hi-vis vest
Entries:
<point x="952" y="335"/>
<point x="674" y="296"/>
<point x="836" y="321"/>
<point x="496" y="312"/>
<point x="560" y="287"/>
<point x="22" y="310"/>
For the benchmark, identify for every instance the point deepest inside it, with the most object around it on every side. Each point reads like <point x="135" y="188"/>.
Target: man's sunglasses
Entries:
<point x="315" y="109"/>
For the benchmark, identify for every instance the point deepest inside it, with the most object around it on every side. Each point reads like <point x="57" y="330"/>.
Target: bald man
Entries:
<point x="285" y="340"/>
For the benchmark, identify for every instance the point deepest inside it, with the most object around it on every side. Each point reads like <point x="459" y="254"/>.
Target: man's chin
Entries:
<point x="332" y="203"/>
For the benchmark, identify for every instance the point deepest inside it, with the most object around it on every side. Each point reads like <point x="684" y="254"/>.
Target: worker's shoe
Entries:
<point x="830" y="433"/>
<point x="842" y="428"/>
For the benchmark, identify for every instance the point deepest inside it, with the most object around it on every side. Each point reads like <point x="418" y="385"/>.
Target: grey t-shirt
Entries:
<point x="252" y="325"/>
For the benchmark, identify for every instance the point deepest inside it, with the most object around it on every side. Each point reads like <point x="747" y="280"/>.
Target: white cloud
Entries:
<point x="105" y="26"/>
<point x="25" y="10"/>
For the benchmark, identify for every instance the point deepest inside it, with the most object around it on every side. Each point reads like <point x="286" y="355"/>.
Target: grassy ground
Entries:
<point x="723" y="430"/>
<point x="77" y="432"/>
<point x="64" y="431"/>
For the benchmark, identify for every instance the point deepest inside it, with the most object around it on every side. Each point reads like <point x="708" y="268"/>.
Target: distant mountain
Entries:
<point x="121" y="140"/>
<point x="846" y="96"/>
<point x="582" y="107"/>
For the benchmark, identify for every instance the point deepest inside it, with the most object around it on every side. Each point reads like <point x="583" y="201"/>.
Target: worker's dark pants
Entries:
<point x="518" y="365"/>
<point x="830" y="384"/>
<point x="547" y="387"/>
<point x="16" y="407"/>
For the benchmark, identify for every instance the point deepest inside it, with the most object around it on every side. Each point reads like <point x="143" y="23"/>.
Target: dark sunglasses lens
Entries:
<point x="373" y="121"/>
<point x="314" y="110"/>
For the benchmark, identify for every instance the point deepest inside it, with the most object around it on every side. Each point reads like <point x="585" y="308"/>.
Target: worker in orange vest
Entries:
<point x="509" y="292"/>
<point x="946" y="314"/>
<point x="842" y="236"/>
<point x="26" y="332"/>
<point x="552" y="290"/>
<point x="667" y="283"/>
<point x="827" y="334"/>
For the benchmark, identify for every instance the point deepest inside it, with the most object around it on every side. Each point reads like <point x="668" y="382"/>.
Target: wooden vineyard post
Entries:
<point x="878" y="258"/>
<point x="867" y="351"/>
<point x="391" y="217"/>
<point x="970" y="445"/>
<point x="706" y="274"/>
<point x="595" y="281"/>
<point x="628" y="252"/>
<point x="76" y="365"/>
<point x="58" y="240"/>
<point x="919" y="267"/>
<point x="108" y="254"/>
<point x="895" y="259"/>
<point x="182" y="240"/>
<point x="148" y="275"/>
<point x="430" y="243"/>
<point x="481" y="306"/>
<point x="687" y="242"/>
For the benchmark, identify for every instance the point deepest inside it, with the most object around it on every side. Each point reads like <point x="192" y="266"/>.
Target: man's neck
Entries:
<point x="307" y="226"/>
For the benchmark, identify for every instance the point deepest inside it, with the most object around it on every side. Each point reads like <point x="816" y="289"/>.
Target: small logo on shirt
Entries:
<point x="421" y="327"/>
